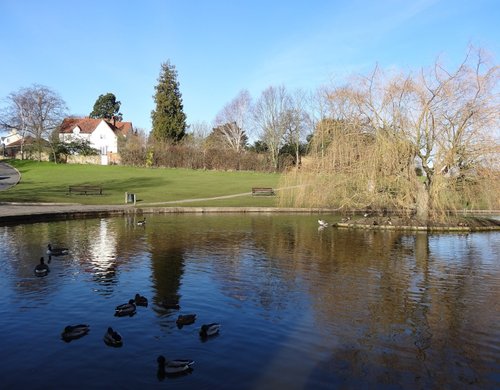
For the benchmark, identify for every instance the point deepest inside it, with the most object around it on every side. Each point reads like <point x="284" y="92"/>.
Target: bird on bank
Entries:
<point x="127" y="309"/>
<point x="73" y="332"/>
<point x="322" y="223"/>
<point x="113" y="338"/>
<point x="42" y="269"/>
<point x="208" y="330"/>
<point x="173" y="367"/>
<point x="140" y="300"/>
<point x="54" y="251"/>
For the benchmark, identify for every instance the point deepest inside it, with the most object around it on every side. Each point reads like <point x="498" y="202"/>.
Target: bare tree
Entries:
<point x="232" y="121"/>
<point x="297" y="122"/>
<point x="35" y="111"/>
<point x="427" y="142"/>
<point x="271" y="116"/>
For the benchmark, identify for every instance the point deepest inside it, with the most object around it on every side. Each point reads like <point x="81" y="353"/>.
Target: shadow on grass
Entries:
<point x="113" y="191"/>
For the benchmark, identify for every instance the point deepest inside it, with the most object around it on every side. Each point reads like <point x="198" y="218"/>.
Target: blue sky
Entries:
<point x="82" y="49"/>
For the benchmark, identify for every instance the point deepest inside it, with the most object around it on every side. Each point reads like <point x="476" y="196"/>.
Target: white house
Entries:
<point x="102" y="134"/>
<point x="13" y="136"/>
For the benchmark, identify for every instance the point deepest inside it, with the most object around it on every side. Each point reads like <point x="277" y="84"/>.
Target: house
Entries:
<point x="12" y="137"/>
<point x="27" y="147"/>
<point x="102" y="134"/>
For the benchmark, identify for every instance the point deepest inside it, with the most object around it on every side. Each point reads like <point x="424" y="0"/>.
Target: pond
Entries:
<point x="299" y="307"/>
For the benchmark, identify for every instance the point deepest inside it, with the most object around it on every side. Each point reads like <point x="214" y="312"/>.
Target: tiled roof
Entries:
<point x="88" y="125"/>
<point x="28" y="140"/>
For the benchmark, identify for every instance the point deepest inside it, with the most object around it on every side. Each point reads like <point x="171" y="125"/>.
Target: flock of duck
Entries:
<point x="113" y="338"/>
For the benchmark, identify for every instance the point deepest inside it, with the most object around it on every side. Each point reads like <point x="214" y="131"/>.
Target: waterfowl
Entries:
<point x="52" y="251"/>
<point x="174" y="367"/>
<point x="346" y="219"/>
<point x="139" y="300"/>
<point x="169" y="305"/>
<point x="42" y="269"/>
<point x="208" y="330"/>
<point x="322" y="223"/>
<point x="141" y="222"/>
<point x="73" y="332"/>
<point x="127" y="309"/>
<point x="186" y="319"/>
<point x="113" y="338"/>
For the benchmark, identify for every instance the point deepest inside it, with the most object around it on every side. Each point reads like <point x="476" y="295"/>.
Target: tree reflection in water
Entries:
<point x="327" y="307"/>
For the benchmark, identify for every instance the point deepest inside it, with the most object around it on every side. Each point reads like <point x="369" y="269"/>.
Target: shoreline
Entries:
<point x="16" y="213"/>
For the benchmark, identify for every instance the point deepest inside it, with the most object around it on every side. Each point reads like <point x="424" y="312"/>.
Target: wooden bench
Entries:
<point x="262" y="191"/>
<point x="85" y="190"/>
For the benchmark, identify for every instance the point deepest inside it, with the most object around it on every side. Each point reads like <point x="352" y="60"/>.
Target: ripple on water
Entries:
<point x="298" y="308"/>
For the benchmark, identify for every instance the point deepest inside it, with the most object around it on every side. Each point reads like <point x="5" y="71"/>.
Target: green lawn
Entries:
<point x="48" y="182"/>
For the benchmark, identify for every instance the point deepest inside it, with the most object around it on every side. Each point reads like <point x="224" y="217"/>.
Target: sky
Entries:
<point x="83" y="49"/>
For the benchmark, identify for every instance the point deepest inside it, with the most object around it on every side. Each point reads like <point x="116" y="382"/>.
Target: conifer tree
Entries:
<point x="107" y="107"/>
<point x="168" y="119"/>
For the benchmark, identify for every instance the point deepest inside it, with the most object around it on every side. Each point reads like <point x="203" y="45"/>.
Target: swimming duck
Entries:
<point x="169" y="305"/>
<point x="173" y="367"/>
<point x="127" y="309"/>
<point x="186" y="319"/>
<point x="52" y="251"/>
<point x="42" y="269"/>
<point x="208" y="330"/>
<point x="141" y="222"/>
<point x="113" y="338"/>
<point x="322" y="222"/>
<point x="139" y="300"/>
<point x="73" y="332"/>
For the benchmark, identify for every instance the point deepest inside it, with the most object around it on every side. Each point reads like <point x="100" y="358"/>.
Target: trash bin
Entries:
<point x="129" y="197"/>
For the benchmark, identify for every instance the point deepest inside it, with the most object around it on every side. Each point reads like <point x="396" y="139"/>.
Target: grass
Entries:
<point x="48" y="182"/>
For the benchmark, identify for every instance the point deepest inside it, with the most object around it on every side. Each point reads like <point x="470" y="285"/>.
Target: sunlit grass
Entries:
<point x="48" y="182"/>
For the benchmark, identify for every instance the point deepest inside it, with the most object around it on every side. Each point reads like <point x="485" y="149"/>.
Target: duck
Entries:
<point x="186" y="319"/>
<point x="139" y="300"/>
<point x="113" y="338"/>
<point x="141" y="222"/>
<point x="42" y="269"/>
<point x="173" y="367"/>
<point x="73" y="332"/>
<point x="127" y="309"/>
<point x="169" y="305"/>
<point x="52" y="251"/>
<point x="346" y="219"/>
<point x="322" y="223"/>
<point x="208" y="330"/>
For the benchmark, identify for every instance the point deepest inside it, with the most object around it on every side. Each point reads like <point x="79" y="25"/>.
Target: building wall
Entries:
<point x="104" y="139"/>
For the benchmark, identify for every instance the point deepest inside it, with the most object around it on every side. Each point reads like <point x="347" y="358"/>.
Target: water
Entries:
<point x="300" y="308"/>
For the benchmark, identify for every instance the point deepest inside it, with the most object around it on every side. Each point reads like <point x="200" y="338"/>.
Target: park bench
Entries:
<point x="85" y="189"/>
<point x="262" y="191"/>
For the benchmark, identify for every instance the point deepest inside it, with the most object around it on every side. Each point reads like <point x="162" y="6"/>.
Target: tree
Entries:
<point x="271" y="117"/>
<point x="107" y="107"/>
<point x="228" y="136"/>
<point x="35" y="111"/>
<point x="232" y="122"/>
<point x="425" y="142"/>
<point x="169" y="120"/>
<point x="297" y="121"/>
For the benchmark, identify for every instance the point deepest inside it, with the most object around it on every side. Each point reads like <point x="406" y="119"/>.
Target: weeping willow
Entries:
<point x="356" y="169"/>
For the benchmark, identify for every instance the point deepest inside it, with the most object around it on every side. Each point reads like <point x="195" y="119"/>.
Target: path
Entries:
<point x="9" y="176"/>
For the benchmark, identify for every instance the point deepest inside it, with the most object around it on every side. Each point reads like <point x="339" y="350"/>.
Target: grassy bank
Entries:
<point x="48" y="182"/>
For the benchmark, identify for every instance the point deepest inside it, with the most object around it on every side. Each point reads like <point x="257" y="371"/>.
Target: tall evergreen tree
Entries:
<point x="169" y="120"/>
<point x="107" y="107"/>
